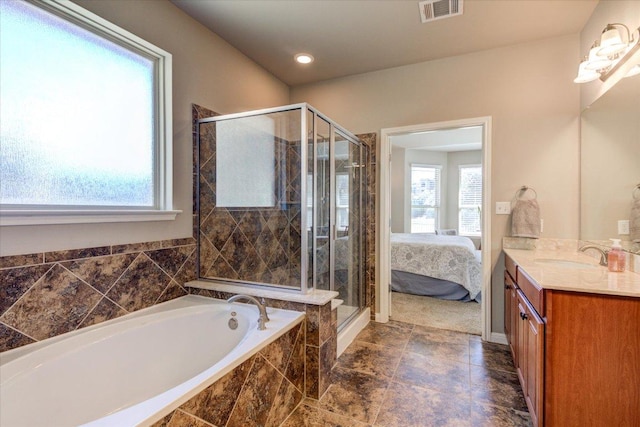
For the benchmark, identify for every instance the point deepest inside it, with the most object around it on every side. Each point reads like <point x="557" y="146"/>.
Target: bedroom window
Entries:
<point x="342" y="201"/>
<point x="86" y="119"/>
<point x="425" y="198"/>
<point x="470" y="200"/>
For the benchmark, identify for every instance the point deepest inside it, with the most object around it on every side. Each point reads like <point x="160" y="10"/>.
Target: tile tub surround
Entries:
<point x="321" y="337"/>
<point x="262" y="391"/>
<point x="47" y="294"/>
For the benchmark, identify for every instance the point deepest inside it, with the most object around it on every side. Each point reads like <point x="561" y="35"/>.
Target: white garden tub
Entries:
<point x="132" y="370"/>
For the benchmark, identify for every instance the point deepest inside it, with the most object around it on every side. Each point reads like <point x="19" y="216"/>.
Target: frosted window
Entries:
<point x="78" y="118"/>
<point x="245" y="162"/>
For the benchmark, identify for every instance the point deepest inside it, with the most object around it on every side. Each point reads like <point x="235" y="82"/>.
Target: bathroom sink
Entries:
<point x="565" y="263"/>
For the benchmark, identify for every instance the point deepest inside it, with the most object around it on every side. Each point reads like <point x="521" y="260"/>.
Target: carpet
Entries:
<point x="436" y="313"/>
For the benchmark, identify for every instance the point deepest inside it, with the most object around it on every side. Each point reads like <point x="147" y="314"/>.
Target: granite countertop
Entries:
<point x="313" y="297"/>
<point x="568" y="278"/>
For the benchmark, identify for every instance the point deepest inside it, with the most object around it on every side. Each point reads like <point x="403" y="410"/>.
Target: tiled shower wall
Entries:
<point x="250" y="244"/>
<point x="263" y="245"/>
<point x="369" y="140"/>
<point x="47" y="294"/>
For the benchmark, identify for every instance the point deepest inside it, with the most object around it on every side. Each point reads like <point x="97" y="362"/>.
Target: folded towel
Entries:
<point x="525" y="219"/>
<point x="634" y="221"/>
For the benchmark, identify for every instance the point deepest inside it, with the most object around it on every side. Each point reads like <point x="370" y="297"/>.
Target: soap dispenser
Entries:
<point x="616" y="257"/>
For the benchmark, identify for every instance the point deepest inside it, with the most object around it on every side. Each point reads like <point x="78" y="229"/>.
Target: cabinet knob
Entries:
<point x="507" y="286"/>
<point x="524" y="316"/>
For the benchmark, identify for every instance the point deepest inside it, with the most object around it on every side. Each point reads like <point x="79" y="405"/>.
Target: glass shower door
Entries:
<point x="347" y="226"/>
<point x="322" y="205"/>
<point x="337" y="184"/>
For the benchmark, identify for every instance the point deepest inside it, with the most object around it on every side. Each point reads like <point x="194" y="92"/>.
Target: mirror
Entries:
<point x="610" y="163"/>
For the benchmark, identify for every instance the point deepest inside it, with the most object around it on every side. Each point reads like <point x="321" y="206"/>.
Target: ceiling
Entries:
<point x="457" y="139"/>
<point x="349" y="37"/>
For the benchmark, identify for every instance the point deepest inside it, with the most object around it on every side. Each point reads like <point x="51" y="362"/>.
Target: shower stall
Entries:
<point x="280" y="203"/>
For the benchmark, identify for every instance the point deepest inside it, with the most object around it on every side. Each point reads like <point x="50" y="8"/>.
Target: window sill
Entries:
<point x="44" y="217"/>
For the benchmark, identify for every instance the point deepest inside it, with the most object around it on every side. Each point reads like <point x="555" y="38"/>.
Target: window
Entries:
<point x="470" y="200"/>
<point x="85" y="129"/>
<point x="425" y="198"/>
<point x="342" y="201"/>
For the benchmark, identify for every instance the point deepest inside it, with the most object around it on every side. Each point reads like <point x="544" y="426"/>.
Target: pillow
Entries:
<point x="447" y="232"/>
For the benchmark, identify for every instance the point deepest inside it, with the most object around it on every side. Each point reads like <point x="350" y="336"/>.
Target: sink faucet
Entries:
<point x="603" y="253"/>
<point x="261" y="307"/>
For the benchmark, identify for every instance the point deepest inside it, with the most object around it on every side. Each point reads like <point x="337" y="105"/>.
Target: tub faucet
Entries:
<point x="603" y="253"/>
<point x="261" y="307"/>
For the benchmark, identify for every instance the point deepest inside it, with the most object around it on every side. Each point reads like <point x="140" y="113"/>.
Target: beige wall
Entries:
<point x="397" y="177"/>
<point x="528" y="91"/>
<point x="206" y="71"/>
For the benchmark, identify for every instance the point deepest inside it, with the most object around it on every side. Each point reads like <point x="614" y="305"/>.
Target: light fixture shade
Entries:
<point x="611" y="42"/>
<point x="585" y="75"/>
<point x="596" y="62"/>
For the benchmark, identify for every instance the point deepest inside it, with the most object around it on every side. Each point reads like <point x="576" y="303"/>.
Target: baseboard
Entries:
<point x="348" y="334"/>
<point x="381" y="319"/>
<point x="498" y="338"/>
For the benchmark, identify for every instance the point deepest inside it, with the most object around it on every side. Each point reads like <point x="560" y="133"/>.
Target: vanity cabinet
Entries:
<point x="530" y="333"/>
<point x="577" y="354"/>
<point x="524" y="329"/>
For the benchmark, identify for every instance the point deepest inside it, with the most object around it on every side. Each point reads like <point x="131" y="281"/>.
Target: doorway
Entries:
<point x="425" y="218"/>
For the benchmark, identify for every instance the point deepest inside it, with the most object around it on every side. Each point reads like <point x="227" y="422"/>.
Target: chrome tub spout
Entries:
<point x="264" y="318"/>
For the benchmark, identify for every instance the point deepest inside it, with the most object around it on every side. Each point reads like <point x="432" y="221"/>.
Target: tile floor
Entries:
<point x="399" y="374"/>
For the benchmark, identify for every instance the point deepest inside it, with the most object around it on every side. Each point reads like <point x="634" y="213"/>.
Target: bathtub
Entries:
<point x="135" y="369"/>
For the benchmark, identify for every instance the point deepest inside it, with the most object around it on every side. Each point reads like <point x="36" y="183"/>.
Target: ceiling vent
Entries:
<point x="430" y="10"/>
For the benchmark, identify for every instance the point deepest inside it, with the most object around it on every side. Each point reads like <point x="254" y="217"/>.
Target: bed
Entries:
<point x="441" y="266"/>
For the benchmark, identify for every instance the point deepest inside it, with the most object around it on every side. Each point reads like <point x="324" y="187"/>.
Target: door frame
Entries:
<point x="384" y="231"/>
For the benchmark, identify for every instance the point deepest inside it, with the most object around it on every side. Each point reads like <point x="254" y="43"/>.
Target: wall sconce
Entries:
<point x="607" y="53"/>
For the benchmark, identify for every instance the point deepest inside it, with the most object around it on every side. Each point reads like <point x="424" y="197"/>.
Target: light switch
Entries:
<point x="623" y="226"/>
<point x="503" y="208"/>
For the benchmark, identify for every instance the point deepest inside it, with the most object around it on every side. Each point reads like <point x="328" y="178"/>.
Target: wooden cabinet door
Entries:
<point x="510" y="312"/>
<point x="530" y="361"/>
<point x="535" y="365"/>
<point x="520" y="360"/>
<point x="508" y="284"/>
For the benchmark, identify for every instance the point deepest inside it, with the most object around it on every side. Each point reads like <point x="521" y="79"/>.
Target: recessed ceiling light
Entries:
<point x="304" y="58"/>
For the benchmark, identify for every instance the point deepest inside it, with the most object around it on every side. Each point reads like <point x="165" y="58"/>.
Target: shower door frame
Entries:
<point x="304" y="285"/>
<point x="304" y="108"/>
<point x="349" y="139"/>
<point x="332" y="229"/>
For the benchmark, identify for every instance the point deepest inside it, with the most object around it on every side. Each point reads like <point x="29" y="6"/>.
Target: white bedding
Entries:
<point x="452" y="258"/>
